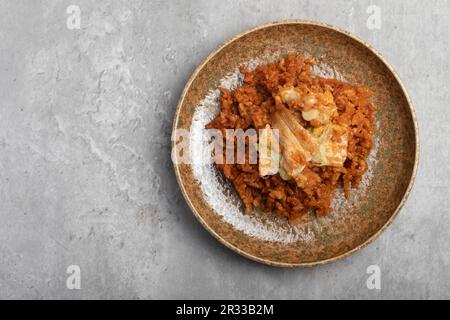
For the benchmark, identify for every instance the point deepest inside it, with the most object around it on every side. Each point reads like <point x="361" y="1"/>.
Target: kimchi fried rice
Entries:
<point x="326" y="131"/>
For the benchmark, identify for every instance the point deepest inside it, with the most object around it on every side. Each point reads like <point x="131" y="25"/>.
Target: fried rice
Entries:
<point x="263" y="96"/>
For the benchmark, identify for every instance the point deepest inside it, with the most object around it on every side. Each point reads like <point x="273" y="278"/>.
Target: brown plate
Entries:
<point x="355" y="222"/>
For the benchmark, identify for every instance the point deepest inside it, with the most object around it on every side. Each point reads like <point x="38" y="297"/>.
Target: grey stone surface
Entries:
<point x="85" y="171"/>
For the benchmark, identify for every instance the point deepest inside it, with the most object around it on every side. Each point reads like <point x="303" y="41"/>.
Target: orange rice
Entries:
<point x="250" y="106"/>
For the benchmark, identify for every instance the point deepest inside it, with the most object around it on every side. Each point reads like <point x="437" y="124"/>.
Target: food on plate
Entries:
<point x="323" y="128"/>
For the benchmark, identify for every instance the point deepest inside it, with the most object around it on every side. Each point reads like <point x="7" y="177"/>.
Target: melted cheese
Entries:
<point x="323" y="111"/>
<point x="295" y="141"/>
<point x="333" y="142"/>
<point x="324" y="145"/>
<point x="289" y="94"/>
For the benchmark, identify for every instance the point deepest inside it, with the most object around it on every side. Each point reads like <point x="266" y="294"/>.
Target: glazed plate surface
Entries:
<point x="356" y="221"/>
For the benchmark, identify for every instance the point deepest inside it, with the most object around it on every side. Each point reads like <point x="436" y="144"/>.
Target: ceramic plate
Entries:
<point x="356" y="221"/>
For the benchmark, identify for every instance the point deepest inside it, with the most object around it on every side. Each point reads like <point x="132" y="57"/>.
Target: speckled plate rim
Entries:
<point x="416" y="134"/>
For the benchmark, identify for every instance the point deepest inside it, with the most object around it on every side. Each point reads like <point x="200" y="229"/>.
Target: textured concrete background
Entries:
<point x="85" y="171"/>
